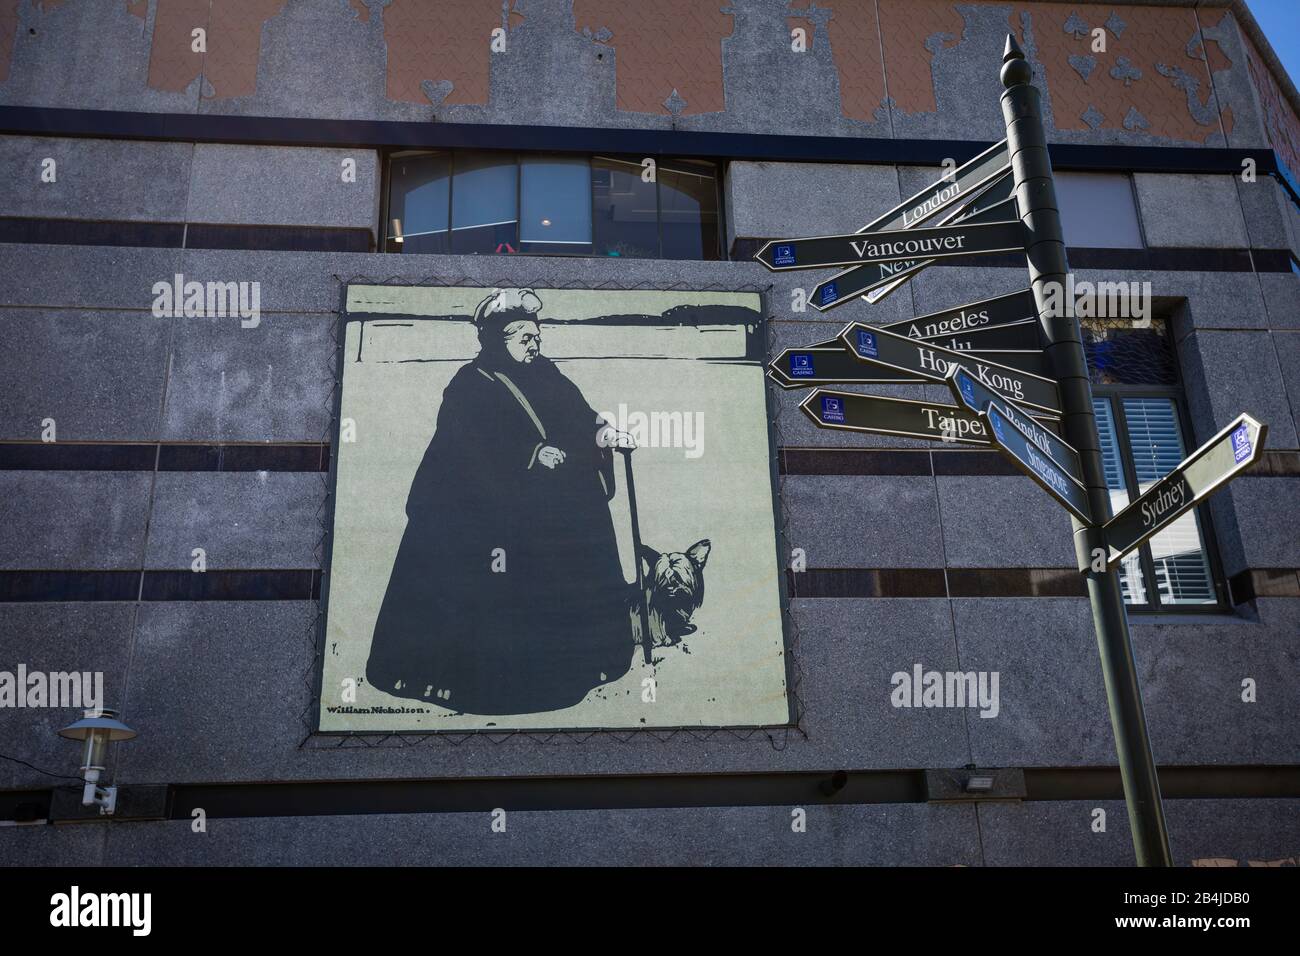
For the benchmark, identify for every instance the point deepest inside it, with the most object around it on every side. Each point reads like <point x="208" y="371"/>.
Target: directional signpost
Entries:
<point x="851" y="411"/>
<point x="1200" y="475"/>
<point x="964" y="182"/>
<point x="1008" y="362"/>
<point x="993" y="204"/>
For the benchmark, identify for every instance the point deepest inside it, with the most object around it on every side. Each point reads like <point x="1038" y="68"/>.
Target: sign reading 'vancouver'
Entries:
<point x="938" y="243"/>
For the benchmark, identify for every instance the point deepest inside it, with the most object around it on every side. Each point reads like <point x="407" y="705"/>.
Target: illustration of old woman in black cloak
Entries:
<point x="507" y="595"/>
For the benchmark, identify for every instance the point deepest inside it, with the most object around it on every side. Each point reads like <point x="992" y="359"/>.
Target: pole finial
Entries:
<point x="1016" y="70"/>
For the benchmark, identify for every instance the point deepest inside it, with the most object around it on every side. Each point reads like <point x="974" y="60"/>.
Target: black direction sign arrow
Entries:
<point x="849" y="411"/>
<point x="933" y="362"/>
<point x="941" y="242"/>
<point x="963" y="183"/>
<point x="1200" y="475"/>
<point x="829" y="363"/>
<point x="974" y="395"/>
<point x="1020" y="336"/>
<point x="1029" y="458"/>
<point x="992" y="205"/>
<point x="1014" y="309"/>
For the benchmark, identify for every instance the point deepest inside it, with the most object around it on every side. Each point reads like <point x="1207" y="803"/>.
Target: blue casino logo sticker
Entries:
<point x="783" y="255"/>
<point x="1241" y="444"/>
<point x="996" y="422"/>
<point x="830" y="293"/>
<point x="832" y="409"/>
<point x="867" y="344"/>
<point x="801" y="365"/>
<point x="967" y="387"/>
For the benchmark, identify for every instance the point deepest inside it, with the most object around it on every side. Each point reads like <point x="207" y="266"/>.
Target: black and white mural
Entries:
<point x="532" y="488"/>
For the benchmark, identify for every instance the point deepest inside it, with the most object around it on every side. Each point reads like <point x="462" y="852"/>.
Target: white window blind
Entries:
<point x="1178" y="553"/>
<point x="1130" y="568"/>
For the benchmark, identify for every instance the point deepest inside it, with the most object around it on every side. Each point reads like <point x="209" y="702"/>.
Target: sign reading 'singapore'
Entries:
<point x="532" y="488"/>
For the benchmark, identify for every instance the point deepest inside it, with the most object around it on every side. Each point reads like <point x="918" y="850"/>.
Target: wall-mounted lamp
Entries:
<point x="397" y="231"/>
<point x="979" y="783"/>
<point x="98" y="728"/>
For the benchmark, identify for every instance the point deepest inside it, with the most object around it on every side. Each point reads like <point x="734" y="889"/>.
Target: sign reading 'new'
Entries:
<point x="942" y="242"/>
<point x="1202" y="473"/>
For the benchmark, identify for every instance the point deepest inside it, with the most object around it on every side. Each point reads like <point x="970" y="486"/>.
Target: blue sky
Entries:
<point x="1280" y="21"/>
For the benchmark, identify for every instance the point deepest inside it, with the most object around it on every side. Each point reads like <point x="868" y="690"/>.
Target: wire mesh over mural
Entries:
<point x="553" y="509"/>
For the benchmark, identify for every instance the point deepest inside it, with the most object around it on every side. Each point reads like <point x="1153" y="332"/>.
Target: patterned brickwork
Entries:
<point x="855" y="48"/>
<point x="913" y="30"/>
<point x="449" y="40"/>
<point x="235" y="43"/>
<point x="173" y="65"/>
<point x="1279" y="118"/>
<point x="662" y="45"/>
<point x="8" y="33"/>
<point x="1152" y="77"/>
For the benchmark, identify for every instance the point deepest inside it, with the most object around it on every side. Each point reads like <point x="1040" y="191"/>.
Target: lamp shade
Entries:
<point x="103" y="720"/>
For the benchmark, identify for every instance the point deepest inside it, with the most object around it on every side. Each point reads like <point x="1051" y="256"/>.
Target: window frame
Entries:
<point x="1114" y="395"/>
<point x="385" y="245"/>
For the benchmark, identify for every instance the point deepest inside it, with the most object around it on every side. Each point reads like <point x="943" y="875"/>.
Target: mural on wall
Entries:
<point x="532" y="487"/>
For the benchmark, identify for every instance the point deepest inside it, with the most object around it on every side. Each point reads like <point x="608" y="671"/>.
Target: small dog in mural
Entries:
<point x="674" y="591"/>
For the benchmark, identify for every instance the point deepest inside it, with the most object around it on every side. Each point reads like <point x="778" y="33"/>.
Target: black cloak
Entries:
<point x="542" y="633"/>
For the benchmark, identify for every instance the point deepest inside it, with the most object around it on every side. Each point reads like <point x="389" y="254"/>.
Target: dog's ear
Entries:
<point x="650" y="556"/>
<point x="699" y="552"/>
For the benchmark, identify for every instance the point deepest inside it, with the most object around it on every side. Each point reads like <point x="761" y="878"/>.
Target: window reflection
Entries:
<point x="484" y="203"/>
<point x="626" y="220"/>
<point x="418" y="205"/>
<point x="556" y="197"/>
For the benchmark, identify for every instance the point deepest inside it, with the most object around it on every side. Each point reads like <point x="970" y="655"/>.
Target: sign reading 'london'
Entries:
<point x="1202" y="473"/>
<point x="933" y="363"/>
<point x="938" y="243"/>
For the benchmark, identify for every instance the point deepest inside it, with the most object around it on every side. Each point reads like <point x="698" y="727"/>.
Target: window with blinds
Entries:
<point x="1136" y="401"/>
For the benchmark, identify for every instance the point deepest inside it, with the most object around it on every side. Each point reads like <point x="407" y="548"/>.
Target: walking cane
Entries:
<point x="646" y="640"/>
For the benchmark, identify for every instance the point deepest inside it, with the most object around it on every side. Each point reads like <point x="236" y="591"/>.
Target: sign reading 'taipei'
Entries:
<point x="1200" y="475"/>
<point x="854" y="412"/>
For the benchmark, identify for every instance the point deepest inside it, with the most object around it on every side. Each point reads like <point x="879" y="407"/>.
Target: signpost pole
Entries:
<point x="1045" y="248"/>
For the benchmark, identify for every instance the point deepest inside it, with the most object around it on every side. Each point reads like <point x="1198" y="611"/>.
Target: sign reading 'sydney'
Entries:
<point x="1201" y="474"/>
<point x="942" y="242"/>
